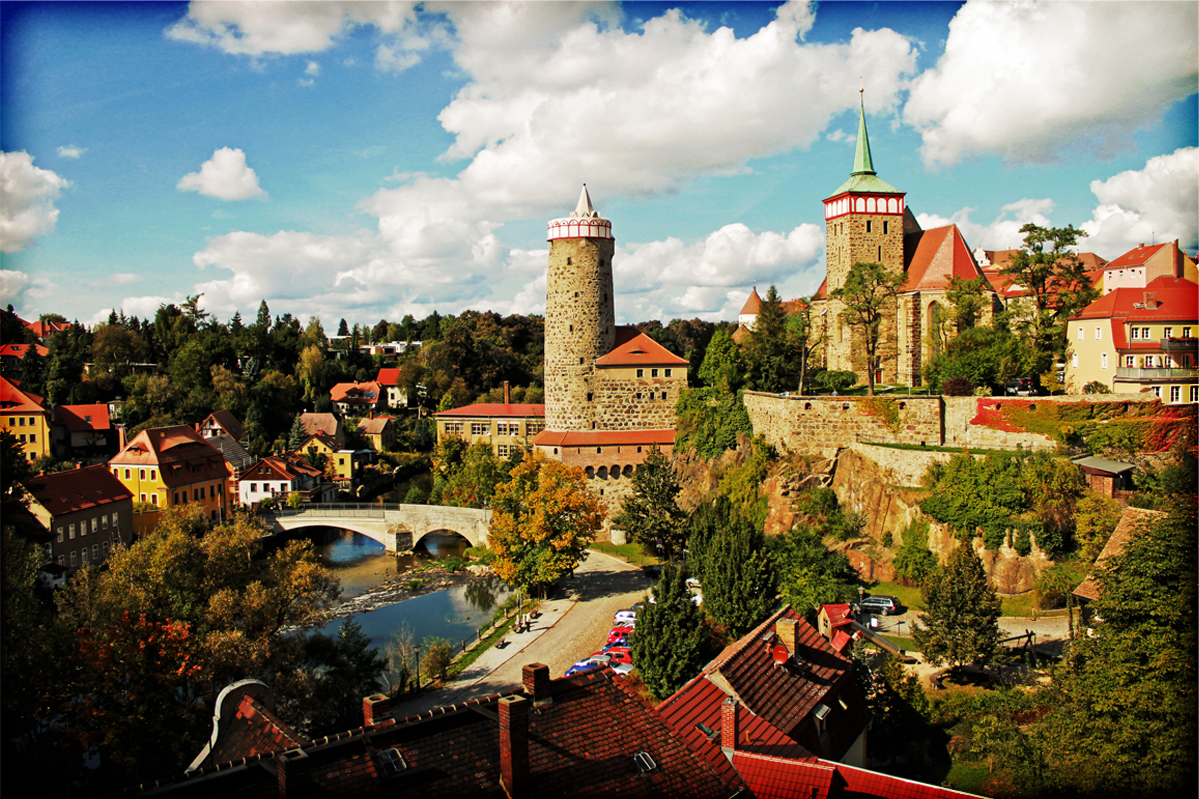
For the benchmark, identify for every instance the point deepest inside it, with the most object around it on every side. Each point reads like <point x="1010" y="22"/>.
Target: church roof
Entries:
<point x="863" y="177"/>
<point x="753" y="303"/>
<point x="638" y="349"/>
<point x="584" y="209"/>
<point x="934" y="257"/>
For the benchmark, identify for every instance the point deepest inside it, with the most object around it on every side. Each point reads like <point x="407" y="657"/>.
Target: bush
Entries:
<point x="439" y="655"/>
<point x="830" y="380"/>
<point x="1096" y="387"/>
<point x="957" y="387"/>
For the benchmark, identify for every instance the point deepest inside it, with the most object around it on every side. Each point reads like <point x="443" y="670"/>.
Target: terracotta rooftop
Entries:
<point x="83" y="418"/>
<point x="1165" y="299"/>
<point x="76" y="489"/>
<point x="373" y="427"/>
<point x="934" y="257"/>
<point x="181" y="454"/>
<point x="637" y="349"/>
<point x="1132" y="522"/>
<point x="753" y="303"/>
<point x="12" y="398"/>
<point x="497" y="409"/>
<point x="367" y="393"/>
<point x="596" y="438"/>
<point x="325" y="423"/>
<point x="1136" y="257"/>
<point x="388" y="376"/>
<point x="19" y="350"/>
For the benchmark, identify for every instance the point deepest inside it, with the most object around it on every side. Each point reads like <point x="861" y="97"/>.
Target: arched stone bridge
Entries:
<point x="399" y="528"/>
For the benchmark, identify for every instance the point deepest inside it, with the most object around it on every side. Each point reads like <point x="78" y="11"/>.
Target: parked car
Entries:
<point x="619" y="654"/>
<point x="628" y="617"/>
<point x="880" y="605"/>
<point x="584" y="666"/>
<point x="624" y="640"/>
<point x="1021" y="387"/>
<point x="621" y="668"/>
<point x="619" y="632"/>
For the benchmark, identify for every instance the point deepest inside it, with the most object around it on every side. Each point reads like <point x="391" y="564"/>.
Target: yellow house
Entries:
<point x="174" y="466"/>
<point x="26" y="417"/>
<point x="342" y="465"/>
<point x="504" y="426"/>
<point x="1139" y="339"/>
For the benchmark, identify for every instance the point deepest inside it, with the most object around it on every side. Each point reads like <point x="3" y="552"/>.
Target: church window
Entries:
<point x="580" y="361"/>
<point x="570" y="328"/>
<point x="880" y="252"/>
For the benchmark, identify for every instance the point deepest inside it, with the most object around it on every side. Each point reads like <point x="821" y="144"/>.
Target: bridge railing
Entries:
<point x="336" y="509"/>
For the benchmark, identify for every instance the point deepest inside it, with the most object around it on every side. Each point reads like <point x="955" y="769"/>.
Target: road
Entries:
<point x="572" y="624"/>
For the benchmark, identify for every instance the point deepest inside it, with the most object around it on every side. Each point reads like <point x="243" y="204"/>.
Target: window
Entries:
<point x="143" y="497"/>
<point x="1168" y="332"/>
<point x="1136" y="333"/>
<point x="478" y="428"/>
<point x="1186" y="332"/>
<point x="95" y="551"/>
<point x="105" y="549"/>
<point x="95" y="525"/>
<point x="73" y="564"/>
<point x="176" y="497"/>
<point x="663" y="395"/>
<point x="1144" y="332"/>
<point x="580" y="361"/>
<point x="1074" y="360"/>
<point x="22" y="438"/>
<point x="198" y="494"/>
<point x="116" y="519"/>
<point x="104" y="519"/>
<point x="153" y="498"/>
<point x="1080" y="333"/>
<point x="127" y="473"/>
<point x="71" y="530"/>
<point x="22" y="418"/>
<point x="83" y="554"/>
<point x="1175" y="393"/>
<point x="33" y="438"/>
<point x="141" y="474"/>
<point x="1103" y="360"/>
<point x="153" y="474"/>
<point x="1099" y="334"/>
<point x="536" y="427"/>
<point x="637" y="395"/>
<point x="668" y="372"/>
<point x="885" y="225"/>
<point x="1194" y="393"/>
<point x="653" y="372"/>
<point x="641" y="373"/>
<point x="590" y="396"/>
<point x="212" y="491"/>
<point x="599" y="450"/>
<point x="59" y="531"/>
<point x="502" y="450"/>
<point x="1129" y="360"/>
<point x="62" y="560"/>
<point x="867" y="225"/>
<point x="1157" y="391"/>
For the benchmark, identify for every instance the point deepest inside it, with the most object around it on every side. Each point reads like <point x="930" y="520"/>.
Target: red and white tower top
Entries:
<point x="583" y="223"/>
<point x="865" y="192"/>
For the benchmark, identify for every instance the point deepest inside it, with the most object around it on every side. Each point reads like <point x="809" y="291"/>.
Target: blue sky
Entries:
<point x="368" y="160"/>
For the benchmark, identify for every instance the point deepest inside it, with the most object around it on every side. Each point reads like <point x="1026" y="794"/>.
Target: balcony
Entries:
<point x="1179" y="344"/>
<point x="1137" y="373"/>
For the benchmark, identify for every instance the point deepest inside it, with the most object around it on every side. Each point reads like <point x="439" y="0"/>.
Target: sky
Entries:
<point x="366" y="161"/>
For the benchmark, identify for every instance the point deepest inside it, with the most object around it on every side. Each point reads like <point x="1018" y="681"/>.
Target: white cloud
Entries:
<point x="306" y="82"/>
<point x="261" y="28"/>
<point x="146" y="306"/>
<point x="1155" y="204"/>
<point x="225" y="176"/>
<point x="313" y="68"/>
<point x="1003" y="232"/>
<point x="123" y="278"/>
<point x="71" y="151"/>
<point x="1026" y="79"/>
<point x="26" y="201"/>
<point x="12" y="287"/>
<point x="388" y="59"/>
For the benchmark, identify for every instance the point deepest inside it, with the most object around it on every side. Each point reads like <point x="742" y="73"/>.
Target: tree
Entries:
<point x="651" y="514"/>
<point x="1095" y="519"/>
<point x="807" y="334"/>
<point x="961" y="619"/>
<point x="810" y="574"/>
<point x="770" y="359"/>
<point x="722" y="365"/>
<point x="869" y="297"/>
<point x="1122" y="718"/>
<point x="544" y="518"/>
<point x="738" y="574"/>
<point x="669" y="645"/>
<point x="1055" y="283"/>
<point x="297" y="435"/>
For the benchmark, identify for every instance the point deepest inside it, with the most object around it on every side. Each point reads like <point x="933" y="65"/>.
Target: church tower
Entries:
<point x="580" y="320"/>
<point x="864" y="222"/>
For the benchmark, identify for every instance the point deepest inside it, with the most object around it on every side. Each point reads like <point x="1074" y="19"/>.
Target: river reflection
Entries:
<point x="362" y="565"/>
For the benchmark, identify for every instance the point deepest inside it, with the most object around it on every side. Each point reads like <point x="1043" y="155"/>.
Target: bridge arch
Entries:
<point x="397" y="527"/>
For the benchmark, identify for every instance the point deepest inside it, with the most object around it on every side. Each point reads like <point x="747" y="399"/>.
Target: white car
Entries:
<point x="693" y="582"/>
<point x="627" y="617"/>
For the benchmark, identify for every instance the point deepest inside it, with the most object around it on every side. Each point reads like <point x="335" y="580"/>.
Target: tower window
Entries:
<point x="590" y="396"/>
<point x="572" y="328"/>
<point x="568" y="262"/>
<point x="580" y="361"/>
<point x="868" y="223"/>
<point x="880" y="252"/>
<point x="884" y="227"/>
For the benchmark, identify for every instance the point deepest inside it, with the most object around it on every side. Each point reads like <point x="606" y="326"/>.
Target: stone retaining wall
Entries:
<point x="805" y="424"/>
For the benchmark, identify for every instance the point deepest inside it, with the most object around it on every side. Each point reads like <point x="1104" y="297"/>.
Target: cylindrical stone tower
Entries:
<point x="580" y="323"/>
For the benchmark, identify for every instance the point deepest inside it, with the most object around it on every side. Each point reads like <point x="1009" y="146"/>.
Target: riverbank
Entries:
<point x="431" y="577"/>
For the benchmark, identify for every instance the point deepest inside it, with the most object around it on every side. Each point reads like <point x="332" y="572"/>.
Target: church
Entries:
<point x="868" y="220"/>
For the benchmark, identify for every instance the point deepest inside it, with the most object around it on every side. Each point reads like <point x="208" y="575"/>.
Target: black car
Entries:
<point x="880" y="605"/>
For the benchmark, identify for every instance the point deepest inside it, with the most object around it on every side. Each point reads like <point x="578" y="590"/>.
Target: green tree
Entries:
<point x="543" y="519"/>
<point x="32" y="372"/>
<point x="439" y="655"/>
<point x="738" y="574"/>
<point x="807" y="333"/>
<point x="1055" y="284"/>
<point x="869" y="297"/>
<point x="769" y="355"/>
<point x="1095" y="520"/>
<point x="811" y="575"/>
<point x="297" y="435"/>
<point x="471" y="481"/>
<point x="669" y="647"/>
<point x="722" y="366"/>
<point x="961" y="620"/>
<point x="346" y="668"/>
<point x="1122" y="719"/>
<point x="651" y="514"/>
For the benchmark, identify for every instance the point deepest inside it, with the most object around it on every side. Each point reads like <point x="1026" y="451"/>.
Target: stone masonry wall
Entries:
<point x="961" y="429"/>
<point x="627" y="402"/>
<point x="806" y="424"/>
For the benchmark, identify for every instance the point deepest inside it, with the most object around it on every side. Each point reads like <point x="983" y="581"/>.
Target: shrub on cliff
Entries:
<point x="709" y="420"/>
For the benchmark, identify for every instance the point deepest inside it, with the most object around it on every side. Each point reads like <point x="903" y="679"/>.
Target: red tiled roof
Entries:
<point x="741" y="333"/>
<point x="862" y="783"/>
<point x="793" y="306"/>
<point x="1136" y="257"/>
<point x="639" y="350"/>
<point x="174" y="450"/>
<point x="76" y="489"/>
<point x="325" y="423"/>
<point x="43" y="329"/>
<point x="1177" y="301"/>
<point x="18" y="350"/>
<point x="366" y="393"/>
<point x="388" y="376"/>
<point x="934" y="257"/>
<point x="83" y="418"/>
<point x="596" y="438"/>
<point x="822" y="292"/>
<point x="498" y="409"/>
<point x="12" y="398"/>
<point x="225" y="420"/>
<point x="279" y="467"/>
<point x="753" y="303"/>
<point x="777" y="778"/>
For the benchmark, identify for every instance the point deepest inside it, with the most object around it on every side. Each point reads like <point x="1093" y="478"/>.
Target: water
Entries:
<point x="362" y="564"/>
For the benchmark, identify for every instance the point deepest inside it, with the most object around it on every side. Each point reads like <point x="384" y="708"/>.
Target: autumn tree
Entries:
<point x="544" y="517"/>
<point x="669" y="647"/>
<point x="869" y="296"/>
<point x="1054" y="283"/>
<point x="651" y="513"/>
<point x="961" y="619"/>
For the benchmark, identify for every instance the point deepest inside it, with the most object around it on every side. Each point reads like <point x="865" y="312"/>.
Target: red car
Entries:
<point x="619" y="654"/>
<point x="619" y="632"/>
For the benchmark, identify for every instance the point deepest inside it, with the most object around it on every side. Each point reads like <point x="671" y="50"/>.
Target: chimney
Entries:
<point x="514" y="746"/>
<point x="537" y="684"/>
<point x="376" y="709"/>
<point x="507" y="393"/>
<point x="788" y="630"/>
<point x="728" y="725"/>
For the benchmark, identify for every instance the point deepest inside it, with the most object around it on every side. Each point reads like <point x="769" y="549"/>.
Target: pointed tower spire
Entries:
<point x="862" y="165"/>
<point x="584" y="210"/>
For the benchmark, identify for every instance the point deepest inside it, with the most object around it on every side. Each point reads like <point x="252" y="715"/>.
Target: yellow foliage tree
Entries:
<point x="544" y="518"/>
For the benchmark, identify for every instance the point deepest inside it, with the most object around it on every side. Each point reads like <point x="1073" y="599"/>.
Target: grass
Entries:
<point x="1017" y="605"/>
<point x="971" y="777"/>
<point x="932" y="448"/>
<point x="630" y="553"/>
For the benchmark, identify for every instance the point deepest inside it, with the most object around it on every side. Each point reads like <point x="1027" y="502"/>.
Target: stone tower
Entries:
<point x="580" y="320"/>
<point x="864" y="222"/>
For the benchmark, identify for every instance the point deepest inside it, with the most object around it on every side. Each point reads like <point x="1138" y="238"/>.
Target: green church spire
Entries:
<point x="862" y="165"/>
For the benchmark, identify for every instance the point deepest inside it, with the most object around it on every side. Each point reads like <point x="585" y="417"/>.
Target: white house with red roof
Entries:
<point x="1139" y="267"/>
<point x="279" y="476"/>
<point x="1139" y="339"/>
<point x="389" y="381"/>
<point x="81" y="427"/>
<point x="356" y="399"/>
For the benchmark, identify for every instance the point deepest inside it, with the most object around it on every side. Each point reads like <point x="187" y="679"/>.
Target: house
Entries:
<point x="174" y="466"/>
<point x="344" y="466"/>
<point x="790" y="679"/>
<point x="81" y="427"/>
<point x="325" y="424"/>
<point x="993" y="262"/>
<point x="1104" y="476"/>
<point x="587" y="735"/>
<point x="504" y="426"/>
<point x="11" y="356"/>
<point x="26" y="417"/>
<point x="356" y="399"/>
<point x="379" y="432"/>
<point x="279" y="476"/>
<point x="389" y="381"/>
<point x="219" y="423"/>
<point x="44" y="329"/>
<point x="1139" y="339"/>
<point x="86" y="511"/>
<point x="1139" y="267"/>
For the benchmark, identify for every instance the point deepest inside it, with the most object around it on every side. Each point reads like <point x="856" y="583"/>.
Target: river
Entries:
<point x="364" y="566"/>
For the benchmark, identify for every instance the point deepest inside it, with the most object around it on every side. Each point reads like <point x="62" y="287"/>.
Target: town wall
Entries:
<point x="806" y="424"/>
<point x="964" y="425"/>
